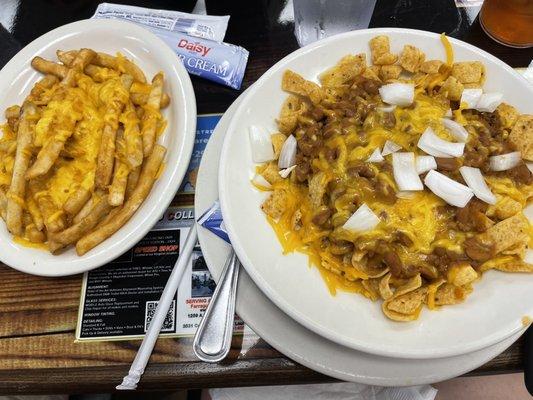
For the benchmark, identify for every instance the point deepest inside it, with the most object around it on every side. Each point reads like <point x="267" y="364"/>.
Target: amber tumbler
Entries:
<point x="509" y="22"/>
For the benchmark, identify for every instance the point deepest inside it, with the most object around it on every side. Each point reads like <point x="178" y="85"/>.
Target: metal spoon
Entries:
<point x="212" y="341"/>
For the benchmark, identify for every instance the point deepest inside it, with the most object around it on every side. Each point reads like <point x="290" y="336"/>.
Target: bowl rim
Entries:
<point x="224" y="197"/>
<point x="113" y="249"/>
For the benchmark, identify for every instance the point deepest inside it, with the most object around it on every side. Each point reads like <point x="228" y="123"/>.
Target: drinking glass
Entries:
<point x="317" y="19"/>
<point x="509" y="22"/>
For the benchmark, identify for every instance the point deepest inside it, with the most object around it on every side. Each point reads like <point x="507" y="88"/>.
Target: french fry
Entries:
<point x="35" y="213"/>
<point x="53" y="217"/>
<point x="109" y="217"/>
<point x="140" y="99"/>
<point x="3" y="204"/>
<point x="120" y="172"/>
<point x="40" y="87"/>
<point x="133" y="179"/>
<point x="50" y="152"/>
<point x="106" y="152"/>
<point x="121" y="64"/>
<point x="73" y="233"/>
<point x="12" y="115"/>
<point x="12" y="112"/>
<point x="17" y="189"/>
<point x="82" y="59"/>
<point x="86" y="209"/>
<point x="49" y="67"/>
<point x="146" y="181"/>
<point x="151" y="113"/>
<point x="33" y="234"/>
<point x="8" y="146"/>
<point x="117" y="190"/>
<point x="100" y="74"/>
<point x="77" y="200"/>
<point x="132" y="136"/>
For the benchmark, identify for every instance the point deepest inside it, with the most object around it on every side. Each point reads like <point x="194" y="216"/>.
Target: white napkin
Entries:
<point x="327" y="391"/>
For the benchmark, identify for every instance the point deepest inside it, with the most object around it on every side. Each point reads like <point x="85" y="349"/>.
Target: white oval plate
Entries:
<point x="152" y="55"/>
<point x="299" y="343"/>
<point x="492" y="313"/>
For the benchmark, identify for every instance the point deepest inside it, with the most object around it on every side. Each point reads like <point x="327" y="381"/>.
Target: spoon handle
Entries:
<point x="212" y="341"/>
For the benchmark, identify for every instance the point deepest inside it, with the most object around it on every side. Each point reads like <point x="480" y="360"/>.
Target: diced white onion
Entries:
<point x="390" y="147"/>
<point x="475" y="181"/>
<point x="528" y="257"/>
<point x="404" y="171"/>
<point x="447" y="189"/>
<point x="262" y="150"/>
<point x="400" y="94"/>
<point x="528" y="212"/>
<point x="363" y="219"/>
<point x="405" y="195"/>
<point x="386" y="109"/>
<point x="434" y="145"/>
<point x="505" y="161"/>
<point x="375" y="157"/>
<point x="456" y="129"/>
<point x="261" y="181"/>
<point x="488" y="102"/>
<point x="448" y="113"/>
<point x="286" y="172"/>
<point x="287" y="156"/>
<point x="470" y="97"/>
<point x="425" y="163"/>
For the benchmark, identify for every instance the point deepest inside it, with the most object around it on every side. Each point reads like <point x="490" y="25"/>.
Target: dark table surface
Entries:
<point x="34" y="356"/>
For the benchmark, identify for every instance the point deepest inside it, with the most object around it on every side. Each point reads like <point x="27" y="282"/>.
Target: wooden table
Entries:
<point x="38" y="315"/>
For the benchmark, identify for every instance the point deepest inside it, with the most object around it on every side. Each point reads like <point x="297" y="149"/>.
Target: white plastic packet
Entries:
<point x="210" y="27"/>
<point x="327" y="391"/>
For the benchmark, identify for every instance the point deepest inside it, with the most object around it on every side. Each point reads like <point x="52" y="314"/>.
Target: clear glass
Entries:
<point x="509" y="22"/>
<point x="318" y="19"/>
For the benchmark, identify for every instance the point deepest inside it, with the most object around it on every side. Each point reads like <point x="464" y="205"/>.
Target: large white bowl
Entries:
<point x="152" y="55"/>
<point x="492" y="313"/>
<point x="292" y="339"/>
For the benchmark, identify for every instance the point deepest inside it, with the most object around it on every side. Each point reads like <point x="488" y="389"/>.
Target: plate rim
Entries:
<point x="188" y="130"/>
<point x="256" y="276"/>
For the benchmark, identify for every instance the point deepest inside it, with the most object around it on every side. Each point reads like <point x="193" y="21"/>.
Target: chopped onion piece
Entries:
<point x="456" y="129"/>
<point x="474" y="179"/>
<point x="405" y="195"/>
<point x="262" y="150"/>
<point x="386" y="109"/>
<point x="375" y="157"/>
<point x="447" y="189"/>
<point x="404" y="171"/>
<point x="390" y="147"/>
<point x="470" y="97"/>
<point x="528" y="212"/>
<point x="488" y="102"/>
<point x="287" y="156"/>
<point x="448" y="113"/>
<point x="528" y="257"/>
<point x="363" y="219"/>
<point x="425" y="164"/>
<point x="434" y="145"/>
<point x="260" y="180"/>
<point x="530" y="166"/>
<point x="505" y="161"/>
<point x="400" y="94"/>
<point x="286" y="172"/>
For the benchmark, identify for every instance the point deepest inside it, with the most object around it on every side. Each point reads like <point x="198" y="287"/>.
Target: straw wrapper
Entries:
<point x="143" y="355"/>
